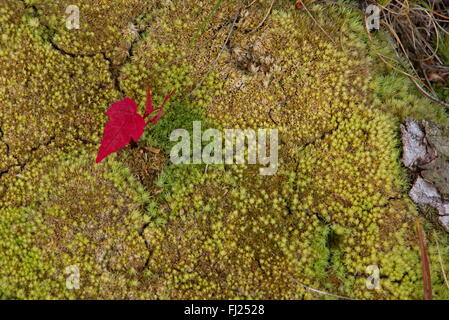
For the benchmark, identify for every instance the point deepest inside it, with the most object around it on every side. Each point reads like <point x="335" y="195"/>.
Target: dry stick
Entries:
<point x="439" y="14"/>
<point x="385" y="7"/>
<point x="231" y="30"/>
<point x="416" y="83"/>
<point x="441" y="28"/>
<point x="395" y="13"/>
<point x="382" y="57"/>
<point x="321" y="292"/>
<point x="429" y="96"/>
<point x="434" y="54"/>
<point x="431" y="21"/>
<point x="316" y="22"/>
<point x="413" y="33"/>
<point x="265" y="18"/>
<point x="415" y="80"/>
<point x="395" y="35"/>
<point x="427" y="280"/>
<point x="412" y="78"/>
<point x="253" y="2"/>
<point x="441" y="260"/>
<point x="392" y="32"/>
<point x="434" y="51"/>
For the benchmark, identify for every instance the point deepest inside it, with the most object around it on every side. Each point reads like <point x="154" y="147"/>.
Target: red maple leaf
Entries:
<point x="126" y="124"/>
<point x="150" y="108"/>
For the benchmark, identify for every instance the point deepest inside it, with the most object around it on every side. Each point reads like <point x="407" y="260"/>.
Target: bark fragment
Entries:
<point x="426" y="152"/>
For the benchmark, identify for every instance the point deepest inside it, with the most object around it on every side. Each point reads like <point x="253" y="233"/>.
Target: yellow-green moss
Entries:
<point x="231" y="238"/>
<point x="46" y="96"/>
<point x="64" y="210"/>
<point x="108" y="27"/>
<point x="337" y="204"/>
<point x="344" y="157"/>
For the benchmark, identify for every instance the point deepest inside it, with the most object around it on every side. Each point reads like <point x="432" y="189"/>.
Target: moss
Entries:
<point x="355" y="187"/>
<point x="347" y="171"/>
<point x="22" y="261"/>
<point x="178" y="116"/>
<point x="245" y="247"/>
<point x="74" y="213"/>
<point x="47" y="97"/>
<point x="92" y="37"/>
<point x="337" y="204"/>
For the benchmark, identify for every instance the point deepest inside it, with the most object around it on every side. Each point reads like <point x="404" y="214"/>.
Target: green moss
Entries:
<point x="177" y="116"/>
<point x="47" y="97"/>
<point x="114" y="39"/>
<point x="242" y="238"/>
<point x="347" y="170"/>
<point x="337" y="204"/>
<point x="72" y="212"/>
<point x="24" y="269"/>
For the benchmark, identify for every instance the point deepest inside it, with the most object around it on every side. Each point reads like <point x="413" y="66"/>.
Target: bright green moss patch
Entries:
<point x="395" y="94"/>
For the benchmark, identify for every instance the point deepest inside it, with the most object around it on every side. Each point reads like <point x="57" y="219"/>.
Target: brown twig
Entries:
<point x="249" y="5"/>
<point x="316" y="22"/>
<point x="265" y="17"/>
<point x="231" y="30"/>
<point x="425" y="264"/>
